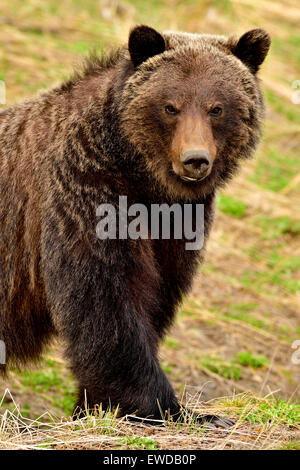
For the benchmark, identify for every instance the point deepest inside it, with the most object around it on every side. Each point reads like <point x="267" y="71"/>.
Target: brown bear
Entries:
<point x="164" y="120"/>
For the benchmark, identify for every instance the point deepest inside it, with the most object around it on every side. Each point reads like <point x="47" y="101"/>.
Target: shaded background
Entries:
<point x="234" y="332"/>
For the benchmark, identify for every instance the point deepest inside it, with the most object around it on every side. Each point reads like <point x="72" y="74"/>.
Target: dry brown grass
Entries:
<point x="110" y="433"/>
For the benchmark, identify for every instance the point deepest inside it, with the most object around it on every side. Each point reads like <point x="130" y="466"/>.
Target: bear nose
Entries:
<point x="196" y="161"/>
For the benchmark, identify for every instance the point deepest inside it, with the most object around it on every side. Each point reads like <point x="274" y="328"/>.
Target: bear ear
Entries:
<point x="252" y="48"/>
<point x="144" y="42"/>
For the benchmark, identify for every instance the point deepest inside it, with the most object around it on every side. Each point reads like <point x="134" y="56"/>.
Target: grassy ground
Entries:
<point x="234" y="332"/>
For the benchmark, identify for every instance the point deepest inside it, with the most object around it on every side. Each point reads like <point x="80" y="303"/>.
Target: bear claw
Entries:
<point x="215" y="421"/>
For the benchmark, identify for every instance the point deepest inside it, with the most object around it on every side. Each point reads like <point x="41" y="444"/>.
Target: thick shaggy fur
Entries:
<point x="100" y="135"/>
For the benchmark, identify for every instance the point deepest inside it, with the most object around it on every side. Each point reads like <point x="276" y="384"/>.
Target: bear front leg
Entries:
<point x="119" y="368"/>
<point x="113" y="355"/>
<point x="102" y="299"/>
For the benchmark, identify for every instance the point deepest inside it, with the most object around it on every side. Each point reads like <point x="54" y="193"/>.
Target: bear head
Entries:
<point x="192" y="105"/>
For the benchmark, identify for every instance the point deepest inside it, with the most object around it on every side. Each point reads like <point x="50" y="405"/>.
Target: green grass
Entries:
<point x="232" y="369"/>
<point x="248" y="314"/>
<point x="293" y="445"/>
<point x="138" y="443"/>
<point x="225" y="6"/>
<point x="26" y="410"/>
<point x="60" y="391"/>
<point x="280" y="106"/>
<point x="231" y="206"/>
<point x="274" y="170"/>
<point x="79" y="48"/>
<point x="167" y="368"/>
<point x="40" y="381"/>
<point x="227" y="369"/>
<point x="274" y="410"/>
<point x="270" y="410"/>
<point x="245" y="358"/>
<point x="243" y="313"/>
<point x="171" y="343"/>
<point x="278" y="269"/>
<point x="184" y="312"/>
<point x="265" y="281"/>
<point x="289" y="47"/>
<point x="275" y="227"/>
<point x="283" y="264"/>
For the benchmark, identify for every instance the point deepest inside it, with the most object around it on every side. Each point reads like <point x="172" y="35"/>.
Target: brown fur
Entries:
<point x="102" y="134"/>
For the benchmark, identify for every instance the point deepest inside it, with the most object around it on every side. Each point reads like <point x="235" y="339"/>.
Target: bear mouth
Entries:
<point x="190" y="179"/>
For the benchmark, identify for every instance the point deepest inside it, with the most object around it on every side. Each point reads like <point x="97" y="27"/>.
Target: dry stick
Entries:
<point x="292" y="184"/>
<point x="269" y="370"/>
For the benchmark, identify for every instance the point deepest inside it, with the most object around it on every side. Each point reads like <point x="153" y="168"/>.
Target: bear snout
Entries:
<point x="197" y="164"/>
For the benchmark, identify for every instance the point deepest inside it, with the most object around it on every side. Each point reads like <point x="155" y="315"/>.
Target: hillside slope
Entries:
<point x="234" y="333"/>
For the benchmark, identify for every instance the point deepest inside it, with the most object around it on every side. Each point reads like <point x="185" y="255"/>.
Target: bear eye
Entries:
<point x="171" y="110"/>
<point x="216" y="111"/>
